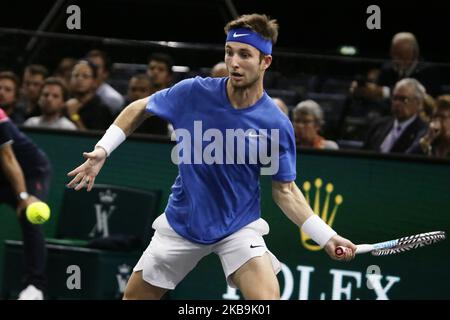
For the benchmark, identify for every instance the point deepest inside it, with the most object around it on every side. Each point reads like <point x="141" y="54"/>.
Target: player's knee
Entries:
<point x="130" y="294"/>
<point x="137" y="289"/>
<point x="270" y="294"/>
<point x="127" y="296"/>
<point x="134" y="294"/>
<point x="267" y="293"/>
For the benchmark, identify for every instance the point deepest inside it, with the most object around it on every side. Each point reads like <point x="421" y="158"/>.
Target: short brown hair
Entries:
<point x="443" y="102"/>
<point x="259" y="23"/>
<point x="14" y="78"/>
<point x="57" y="82"/>
<point x="35" y="69"/>
<point x="142" y="76"/>
<point x="102" y="55"/>
<point x="162" y="58"/>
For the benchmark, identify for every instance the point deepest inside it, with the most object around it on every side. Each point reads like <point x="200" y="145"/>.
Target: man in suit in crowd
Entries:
<point x="398" y="132"/>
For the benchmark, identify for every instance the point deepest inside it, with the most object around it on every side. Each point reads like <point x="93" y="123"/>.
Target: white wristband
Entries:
<point x="318" y="230"/>
<point x="112" y="138"/>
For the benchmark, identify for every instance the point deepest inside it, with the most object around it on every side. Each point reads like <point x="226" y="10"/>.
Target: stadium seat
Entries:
<point x="350" y="144"/>
<point x="121" y="74"/>
<point x="102" y="233"/>
<point x="445" y="89"/>
<point x="290" y="97"/>
<point x="335" y="85"/>
<point x="300" y="83"/>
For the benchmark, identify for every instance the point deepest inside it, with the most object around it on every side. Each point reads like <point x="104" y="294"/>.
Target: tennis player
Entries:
<point x="215" y="201"/>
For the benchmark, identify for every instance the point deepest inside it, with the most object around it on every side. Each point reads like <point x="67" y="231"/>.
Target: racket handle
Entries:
<point x="360" y="248"/>
<point x="340" y="251"/>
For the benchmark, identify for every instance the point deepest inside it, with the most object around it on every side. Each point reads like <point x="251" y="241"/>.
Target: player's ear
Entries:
<point x="266" y="61"/>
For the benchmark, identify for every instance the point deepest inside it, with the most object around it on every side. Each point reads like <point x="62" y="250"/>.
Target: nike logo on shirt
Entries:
<point x="252" y="246"/>
<point x="252" y="135"/>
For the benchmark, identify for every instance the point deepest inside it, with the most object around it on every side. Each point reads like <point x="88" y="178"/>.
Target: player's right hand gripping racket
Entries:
<point x="397" y="245"/>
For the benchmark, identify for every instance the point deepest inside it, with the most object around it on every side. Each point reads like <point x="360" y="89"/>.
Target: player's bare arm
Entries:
<point x="124" y="125"/>
<point x="14" y="175"/>
<point x="291" y="201"/>
<point x="132" y="116"/>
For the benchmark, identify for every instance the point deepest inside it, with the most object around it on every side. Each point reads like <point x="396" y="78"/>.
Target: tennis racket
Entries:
<point x="397" y="245"/>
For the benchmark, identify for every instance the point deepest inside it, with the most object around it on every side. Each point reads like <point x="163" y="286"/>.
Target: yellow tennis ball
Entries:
<point x="38" y="212"/>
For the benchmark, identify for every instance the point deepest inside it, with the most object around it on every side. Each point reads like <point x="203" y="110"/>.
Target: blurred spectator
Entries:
<point x="9" y="94"/>
<point x="436" y="142"/>
<point x="405" y="63"/>
<point x="307" y="118"/>
<point x="86" y="109"/>
<point x="52" y="104"/>
<point x="219" y="70"/>
<point x="32" y="82"/>
<point x="110" y="97"/>
<point x="369" y="99"/>
<point x="373" y="74"/>
<point x="429" y="107"/>
<point x="64" y="69"/>
<point x="140" y="87"/>
<point x="283" y="107"/>
<point x="159" y="69"/>
<point x="398" y="133"/>
<point x="359" y="112"/>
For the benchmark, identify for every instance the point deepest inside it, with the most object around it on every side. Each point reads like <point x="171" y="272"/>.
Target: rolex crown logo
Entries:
<point x="107" y="197"/>
<point x="320" y="207"/>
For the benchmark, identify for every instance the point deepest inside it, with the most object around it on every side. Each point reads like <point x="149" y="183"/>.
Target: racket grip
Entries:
<point x="340" y="251"/>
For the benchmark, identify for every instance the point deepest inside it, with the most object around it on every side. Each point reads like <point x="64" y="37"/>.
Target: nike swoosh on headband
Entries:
<point x="237" y="35"/>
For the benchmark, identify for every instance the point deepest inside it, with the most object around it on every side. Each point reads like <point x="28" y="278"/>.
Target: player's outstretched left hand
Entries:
<point x="85" y="174"/>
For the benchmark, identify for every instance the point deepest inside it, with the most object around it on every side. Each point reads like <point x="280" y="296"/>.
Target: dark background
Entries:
<point x="317" y="27"/>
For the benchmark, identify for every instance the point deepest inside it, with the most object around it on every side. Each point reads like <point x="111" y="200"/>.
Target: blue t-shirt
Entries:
<point x="217" y="190"/>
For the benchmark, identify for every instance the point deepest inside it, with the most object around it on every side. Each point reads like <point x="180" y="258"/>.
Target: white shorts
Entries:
<point x="170" y="257"/>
